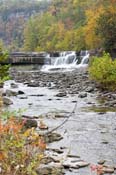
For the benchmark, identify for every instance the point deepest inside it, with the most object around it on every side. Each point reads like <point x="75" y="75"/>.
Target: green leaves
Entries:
<point x="103" y="70"/>
<point x="4" y="74"/>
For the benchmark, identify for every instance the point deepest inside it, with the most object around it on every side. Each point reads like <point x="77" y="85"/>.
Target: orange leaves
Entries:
<point x="11" y="125"/>
<point x="19" y="148"/>
<point x="2" y="155"/>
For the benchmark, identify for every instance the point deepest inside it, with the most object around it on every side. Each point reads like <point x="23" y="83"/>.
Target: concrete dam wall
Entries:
<point x="27" y="58"/>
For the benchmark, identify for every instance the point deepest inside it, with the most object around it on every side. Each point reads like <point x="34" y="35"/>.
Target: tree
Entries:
<point x="106" y="29"/>
<point x="4" y="74"/>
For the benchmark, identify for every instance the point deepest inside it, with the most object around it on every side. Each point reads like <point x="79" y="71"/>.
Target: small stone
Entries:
<point x="42" y="125"/>
<point x="108" y="170"/>
<point x="13" y="85"/>
<point x="82" y="95"/>
<point x="101" y="162"/>
<point x="73" y="156"/>
<point x="90" y="89"/>
<point x="50" y="99"/>
<point x="61" y="94"/>
<point x="105" y="142"/>
<point x="59" y="116"/>
<point x="20" y="92"/>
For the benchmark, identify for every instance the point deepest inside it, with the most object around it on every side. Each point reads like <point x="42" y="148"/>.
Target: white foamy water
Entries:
<point x="67" y="61"/>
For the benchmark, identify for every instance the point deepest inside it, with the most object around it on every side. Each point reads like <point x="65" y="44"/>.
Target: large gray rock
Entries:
<point x="7" y="101"/>
<point x="10" y="93"/>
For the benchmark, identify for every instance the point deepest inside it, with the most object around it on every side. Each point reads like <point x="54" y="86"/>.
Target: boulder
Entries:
<point x="10" y="93"/>
<point x="7" y="101"/>
<point x="13" y="85"/>
<point x="20" y="92"/>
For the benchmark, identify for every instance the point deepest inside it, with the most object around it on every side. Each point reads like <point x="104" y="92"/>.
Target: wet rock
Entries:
<point x="73" y="156"/>
<point x="50" y="170"/>
<point x="105" y="142"/>
<point x="33" y="85"/>
<point x="74" y="101"/>
<point x="30" y="123"/>
<point x="101" y="162"/>
<point x="82" y="95"/>
<point x="61" y="94"/>
<point x="13" y="85"/>
<point x="20" y="92"/>
<point x="37" y="95"/>
<point x="10" y="93"/>
<point x="75" y="163"/>
<point x="108" y="170"/>
<point x="90" y="89"/>
<point x="23" y="97"/>
<point x="59" y="116"/>
<point x="42" y="125"/>
<point x="52" y="137"/>
<point x="7" y="101"/>
<point x="50" y="99"/>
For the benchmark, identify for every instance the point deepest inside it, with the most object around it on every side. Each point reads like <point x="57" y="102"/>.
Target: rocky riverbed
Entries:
<point x="88" y="136"/>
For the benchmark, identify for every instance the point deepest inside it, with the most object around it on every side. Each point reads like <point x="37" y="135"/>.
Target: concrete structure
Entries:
<point x="27" y="58"/>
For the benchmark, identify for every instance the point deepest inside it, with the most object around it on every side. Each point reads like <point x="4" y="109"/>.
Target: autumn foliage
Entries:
<point x="21" y="150"/>
<point x="73" y="25"/>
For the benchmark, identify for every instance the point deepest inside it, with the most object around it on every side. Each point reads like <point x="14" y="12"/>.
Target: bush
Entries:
<point x="4" y="69"/>
<point x="20" y="151"/>
<point x="103" y="70"/>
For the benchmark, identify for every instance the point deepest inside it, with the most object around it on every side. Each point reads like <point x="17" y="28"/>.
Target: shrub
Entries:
<point x="103" y="70"/>
<point x="20" y="151"/>
<point x="4" y="69"/>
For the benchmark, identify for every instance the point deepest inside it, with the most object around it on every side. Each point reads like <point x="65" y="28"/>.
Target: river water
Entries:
<point x="88" y="134"/>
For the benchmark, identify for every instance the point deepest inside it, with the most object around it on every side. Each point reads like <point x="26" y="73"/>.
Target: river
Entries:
<point x="88" y="133"/>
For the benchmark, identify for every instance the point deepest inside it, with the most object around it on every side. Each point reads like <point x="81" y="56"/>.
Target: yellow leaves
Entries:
<point x="19" y="149"/>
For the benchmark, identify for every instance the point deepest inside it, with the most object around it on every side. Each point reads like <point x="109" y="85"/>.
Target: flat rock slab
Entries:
<point x="108" y="170"/>
<point x="75" y="163"/>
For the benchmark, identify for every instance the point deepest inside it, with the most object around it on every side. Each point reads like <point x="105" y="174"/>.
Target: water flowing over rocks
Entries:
<point x="88" y="137"/>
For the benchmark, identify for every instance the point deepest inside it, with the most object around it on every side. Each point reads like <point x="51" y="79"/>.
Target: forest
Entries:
<point x="13" y="16"/>
<point x="58" y="25"/>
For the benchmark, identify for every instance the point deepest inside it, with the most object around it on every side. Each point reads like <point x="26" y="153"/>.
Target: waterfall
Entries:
<point x="66" y="58"/>
<point x="67" y="61"/>
<point x="85" y="58"/>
